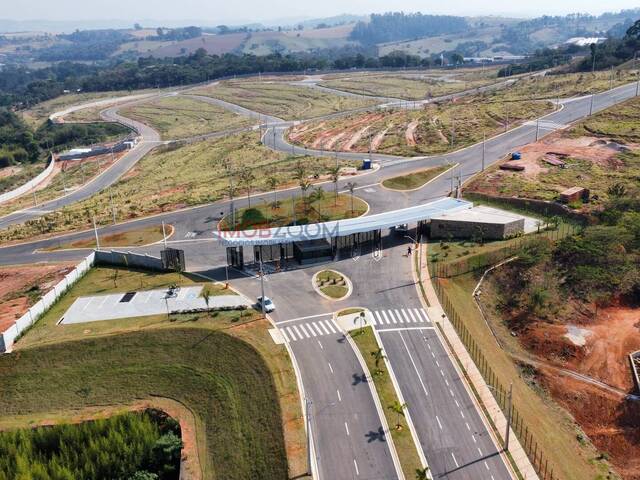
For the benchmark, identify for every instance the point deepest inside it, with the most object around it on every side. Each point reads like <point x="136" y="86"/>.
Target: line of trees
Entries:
<point x="133" y="446"/>
<point x="394" y="26"/>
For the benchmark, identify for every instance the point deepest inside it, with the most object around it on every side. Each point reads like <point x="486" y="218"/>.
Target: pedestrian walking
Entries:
<point x="409" y="251"/>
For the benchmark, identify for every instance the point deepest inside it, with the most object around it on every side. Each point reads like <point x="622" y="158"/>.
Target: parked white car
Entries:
<point x="269" y="306"/>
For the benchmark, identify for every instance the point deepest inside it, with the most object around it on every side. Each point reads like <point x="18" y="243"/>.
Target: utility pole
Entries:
<point x="164" y="236"/>
<point x="453" y="132"/>
<point x="95" y="231"/>
<point x="113" y="209"/>
<point x="611" y="78"/>
<point x="537" y="129"/>
<point x="638" y="84"/>
<point x="307" y="407"/>
<point x="507" y="434"/>
<point x="484" y="140"/>
<point x="506" y="123"/>
<point x="591" y="106"/>
<point x="262" y="284"/>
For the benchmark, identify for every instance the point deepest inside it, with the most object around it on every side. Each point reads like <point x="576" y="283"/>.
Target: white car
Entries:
<point x="268" y="304"/>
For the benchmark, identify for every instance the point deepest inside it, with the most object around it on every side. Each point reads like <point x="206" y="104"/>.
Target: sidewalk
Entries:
<point x="437" y="316"/>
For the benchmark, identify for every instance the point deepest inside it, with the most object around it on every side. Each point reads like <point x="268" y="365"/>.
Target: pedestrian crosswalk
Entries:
<point x="302" y="331"/>
<point x="399" y="315"/>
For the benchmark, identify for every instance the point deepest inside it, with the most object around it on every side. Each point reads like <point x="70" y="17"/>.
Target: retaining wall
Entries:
<point x="9" y="336"/>
<point x="34" y="182"/>
<point x="128" y="259"/>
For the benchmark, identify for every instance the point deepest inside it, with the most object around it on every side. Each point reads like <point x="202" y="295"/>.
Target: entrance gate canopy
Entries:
<point x="340" y="228"/>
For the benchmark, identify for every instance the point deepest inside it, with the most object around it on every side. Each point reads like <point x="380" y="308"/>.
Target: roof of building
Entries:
<point x="340" y="228"/>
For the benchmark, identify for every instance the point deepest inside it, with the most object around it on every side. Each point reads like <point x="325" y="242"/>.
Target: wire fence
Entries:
<point x="443" y="269"/>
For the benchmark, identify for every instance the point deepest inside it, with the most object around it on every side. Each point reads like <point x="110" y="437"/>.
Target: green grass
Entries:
<point x="129" y="238"/>
<point x="74" y="174"/>
<point x="172" y="178"/>
<point x="402" y="439"/>
<point x="235" y="402"/>
<point x="179" y="117"/>
<point x="289" y="102"/>
<point x="410" y="86"/>
<point x="565" y="85"/>
<point x="332" y="284"/>
<point x="551" y="426"/>
<point x="434" y="129"/>
<point x="349" y="311"/>
<point x="414" y="180"/>
<point x="21" y="175"/>
<point x="266" y="215"/>
<point x="150" y="357"/>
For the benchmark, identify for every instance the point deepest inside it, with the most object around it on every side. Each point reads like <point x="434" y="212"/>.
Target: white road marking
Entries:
<point x="379" y="317"/>
<point x="429" y="346"/>
<point x="404" y="329"/>
<point x="442" y="373"/>
<point x="356" y="465"/>
<point x="304" y="330"/>
<point x="462" y="413"/>
<point x="438" y="366"/>
<point x="433" y="355"/>
<point x="418" y="316"/>
<point x="320" y="345"/>
<point x="454" y="460"/>
<point x="414" y="365"/>
<point x="315" y="325"/>
<point x="339" y="397"/>
<point x="439" y="424"/>
<point x="468" y="427"/>
<point x="330" y="326"/>
<point x="413" y="319"/>
<point x="451" y="392"/>
<point x="324" y="328"/>
<point x="304" y="318"/>
<point x="474" y="438"/>
<point x="457" y="404"/>
<point x="346" y="427"/>
<point x="333" y="322"/>
<point x="424" y="314"/>
<point x="479" y="451"/>
<point x="399" y="316"/>
<point x="486" y="465"/>
<point x="393" y="319"/>
<point x="291" y="334"/>
<point x="297" y="331"/>
<point x="330" y="367"/>
<point x="286" y="339"/>
<point x="386" y="319"/>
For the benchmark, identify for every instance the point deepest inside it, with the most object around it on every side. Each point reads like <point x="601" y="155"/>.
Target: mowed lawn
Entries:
<point x="221" y="379"/>
<point x="280" y="99"/>
<point x="221" y="366"/>
<point x="415" y="179"/>
<point x="178" y="117"/>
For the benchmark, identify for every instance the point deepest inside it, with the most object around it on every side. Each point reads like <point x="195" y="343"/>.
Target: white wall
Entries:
<point x="34" y="182"/>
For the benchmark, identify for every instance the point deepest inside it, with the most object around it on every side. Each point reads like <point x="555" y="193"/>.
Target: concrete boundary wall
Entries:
<point x="34" y="182"/>
<point x="128" y="259"/>
<point x="98" y="257"/>
<point x="9" y="336"/>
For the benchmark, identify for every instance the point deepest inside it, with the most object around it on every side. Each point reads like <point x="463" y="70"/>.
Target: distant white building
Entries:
<point x="584" y="41"/>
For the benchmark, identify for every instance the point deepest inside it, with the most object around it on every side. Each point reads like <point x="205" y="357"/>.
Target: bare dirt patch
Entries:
<point x="22" y="286"/>
<point x="409" y="134"/>
<point x="610" y="423"/>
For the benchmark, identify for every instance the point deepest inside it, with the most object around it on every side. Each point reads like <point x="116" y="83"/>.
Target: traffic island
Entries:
<point x="332" y="285"/>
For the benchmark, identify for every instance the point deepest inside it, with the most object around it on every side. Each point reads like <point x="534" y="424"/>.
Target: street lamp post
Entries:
<point x="262" y="285"/>
<point x="507" y="433"/>
<point x="591" y="105"/>
<point x="484" y="140"/>
<point x="307" y="406"/>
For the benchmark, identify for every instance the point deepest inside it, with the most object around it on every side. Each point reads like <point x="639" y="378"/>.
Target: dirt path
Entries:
<point x="410" y="133"/>
<point x="377" y="140"/>
<point x="355" y="138"/>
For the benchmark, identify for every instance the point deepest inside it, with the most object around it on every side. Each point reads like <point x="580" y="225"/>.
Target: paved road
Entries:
<point x="381" y="286"/>
<point x="150" y="140"/>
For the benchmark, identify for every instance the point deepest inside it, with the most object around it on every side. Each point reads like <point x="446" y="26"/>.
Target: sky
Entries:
<point x="213" y="12"/>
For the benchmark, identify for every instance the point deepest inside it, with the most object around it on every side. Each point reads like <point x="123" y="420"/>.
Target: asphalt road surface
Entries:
<point x="347" y="428"/>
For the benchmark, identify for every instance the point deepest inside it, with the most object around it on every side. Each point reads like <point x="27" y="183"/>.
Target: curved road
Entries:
<point x="347" y="428"/>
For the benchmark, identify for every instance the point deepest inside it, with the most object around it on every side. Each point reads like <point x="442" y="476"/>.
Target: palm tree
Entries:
<point x="360" y="319"/>
<point x="272" y="182"/>
<point x="398" y="408"/>
<point x="300" y="174"/>
<point x="351" y="186"/>
<point x="317" y="196"/>
<point x="206" y="295"/>
<point x="247" y="177"/>
<point x="422" y="473"/>
<point x="334" y="173"/>
<point x="378" y="356"/>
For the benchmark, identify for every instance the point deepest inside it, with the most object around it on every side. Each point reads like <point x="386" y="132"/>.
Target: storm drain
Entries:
<point x="127" y="297"/>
